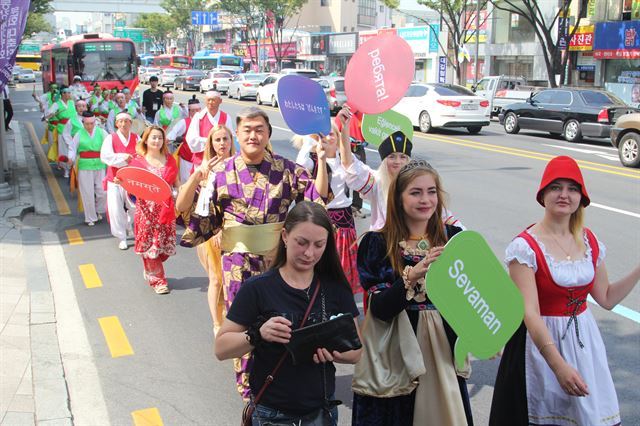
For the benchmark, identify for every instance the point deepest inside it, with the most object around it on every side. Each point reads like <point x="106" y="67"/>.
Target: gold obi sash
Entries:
<point x="254" y="239"/>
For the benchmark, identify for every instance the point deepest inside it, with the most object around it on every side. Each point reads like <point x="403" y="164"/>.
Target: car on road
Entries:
<point x="268" y="90"/>
<point x="216" y="80"/>
<point x="245" y="85"/>
<point x="570" y="112"/>
<point x="432" y="105"/>
<point x="501" y="90"/>
<point x="306" y="72"/>
<point x="26" y="76"/>
<point x="625" y="137"/>
<point x="148" y="72"/>
<point x="189" y="79"/>
<point x="15" y="72"/>
<point x="334" y="87"/>
<point x="167" y="77"/>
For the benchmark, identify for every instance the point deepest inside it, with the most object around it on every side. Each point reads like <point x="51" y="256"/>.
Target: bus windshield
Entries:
<point x="182" y="60"/>
<point x="233" y="61"/>
<point x="105" y="61"/>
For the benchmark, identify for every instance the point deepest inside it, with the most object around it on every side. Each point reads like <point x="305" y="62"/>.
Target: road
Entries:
<point x="491" y="180"/>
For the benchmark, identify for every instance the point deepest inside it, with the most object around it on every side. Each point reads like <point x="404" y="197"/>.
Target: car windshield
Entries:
<point x="222" y="75"/>
<point x="452" y="90"/>
<point x="171" y="72"/>
<point x="592" y="97"/>
<point x="254" y="77"/>
<point x="194" y="72"/>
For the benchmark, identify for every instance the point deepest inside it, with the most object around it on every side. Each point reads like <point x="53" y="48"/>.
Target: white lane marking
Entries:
<point x="284" y="129"/>
<point x="621" y="310"/>
<point x="604" y="155"/>
<point x="613" y="209"/>
<point x="606" y="148"/>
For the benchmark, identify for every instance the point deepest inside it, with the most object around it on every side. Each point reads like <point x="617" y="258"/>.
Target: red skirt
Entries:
<point x="346" y="244"/>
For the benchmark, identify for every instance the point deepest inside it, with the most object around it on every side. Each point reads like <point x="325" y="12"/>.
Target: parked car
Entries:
<point x="306" y="72"/>
<point x="189" y="79"/>
<point x="625" y="136"/>
<point x="268" y="90"/>
<point x="570" y="112"/>
<point x="430" y="105"/>
<point x="502" y="90"/>
<point x="334" y="87"/>
<point x="167" y="77"/>
<point x="15" y="72"/>
<point x="216" y="80"/>
<point x="244" y="85"/>
<point x="148" y="72"/>
<point x="26" y="76"/>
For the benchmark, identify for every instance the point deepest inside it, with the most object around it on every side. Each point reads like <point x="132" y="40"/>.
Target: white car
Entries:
<point x="148" y="72"/>
<point x="268" y="90"/>
<point x="430" y="105"/>
<point x="216" y="80"/>
<point x="167" y="76"/>
<point x="244" y="85"/>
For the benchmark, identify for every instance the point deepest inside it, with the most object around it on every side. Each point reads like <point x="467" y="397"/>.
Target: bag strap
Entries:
<point x="271" y="376"/>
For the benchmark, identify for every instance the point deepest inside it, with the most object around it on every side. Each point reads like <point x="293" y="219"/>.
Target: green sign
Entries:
<point x="376" y="127"/>
<point x="136" y="35"/>
<point x="474" y="293"/>
<point x="27" y="48"/>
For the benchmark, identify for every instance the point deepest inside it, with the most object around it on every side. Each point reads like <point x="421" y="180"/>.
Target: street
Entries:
<point x="491" y="180"/>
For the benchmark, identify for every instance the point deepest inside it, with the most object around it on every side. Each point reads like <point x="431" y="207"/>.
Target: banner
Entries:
<point x="582" y="40"/>
<point x="13" y="18"/>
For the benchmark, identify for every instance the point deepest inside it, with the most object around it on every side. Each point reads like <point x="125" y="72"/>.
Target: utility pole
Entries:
<point x="477" y="65"/>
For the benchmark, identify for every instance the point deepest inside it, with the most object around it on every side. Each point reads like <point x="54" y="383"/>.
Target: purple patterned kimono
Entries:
<point x="252" y="200"/>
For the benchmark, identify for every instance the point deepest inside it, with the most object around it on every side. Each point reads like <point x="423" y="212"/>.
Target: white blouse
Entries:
<point x="566" y="273"/>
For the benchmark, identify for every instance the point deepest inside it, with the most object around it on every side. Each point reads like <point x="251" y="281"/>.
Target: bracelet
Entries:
<point x="543" y="346"/>
<point x="405" y="276"/>
<point x="253" y="335"/>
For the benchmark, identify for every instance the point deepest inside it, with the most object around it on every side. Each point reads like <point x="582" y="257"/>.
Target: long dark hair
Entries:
<point x="328" y="267"/>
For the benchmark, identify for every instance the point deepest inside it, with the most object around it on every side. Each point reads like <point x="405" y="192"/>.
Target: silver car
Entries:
<point x="216" y="80"/>
<point x="334" y="89"/>
<point x="167" y="76"/>
<point x="26" y="76"/>
<point x="244" y="85"/>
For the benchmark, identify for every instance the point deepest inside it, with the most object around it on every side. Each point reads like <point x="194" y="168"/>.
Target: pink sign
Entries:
<point x="144" y="184"/>
<point x="379" y="74"/>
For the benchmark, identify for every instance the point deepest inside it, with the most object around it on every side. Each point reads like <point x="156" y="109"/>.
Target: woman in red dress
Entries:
<point x="155" y="223"/>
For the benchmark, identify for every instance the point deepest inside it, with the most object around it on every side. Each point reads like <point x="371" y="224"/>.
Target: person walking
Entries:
<point x="392" y="264"/>
<point x="152" y="99"/>
<point x="554" y="369"/>
<point x="306" y="276"/>
<point x="155" y="222"/>
<point x="8" y="108"/>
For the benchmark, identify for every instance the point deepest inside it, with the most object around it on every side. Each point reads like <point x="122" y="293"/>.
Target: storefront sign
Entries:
<point x="284" y="50"/>
<point x="433" y="38"/>
<point x="417" y="38"/>
<point x="563" y="32"/>
<point x="582" y="39"/>
<point x="363" y="36"/>
<point x="471" y="26"/>
<point x="442" y="69"/>
<point x="319" y="44"/>
<point x="617" y="40"/>
<point x="343" y="44"/>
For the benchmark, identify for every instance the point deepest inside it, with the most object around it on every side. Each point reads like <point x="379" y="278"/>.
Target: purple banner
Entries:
<point x="13" y="18"/>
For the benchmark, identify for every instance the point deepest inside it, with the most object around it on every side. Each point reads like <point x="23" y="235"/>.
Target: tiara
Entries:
<point x="416" y="164"/>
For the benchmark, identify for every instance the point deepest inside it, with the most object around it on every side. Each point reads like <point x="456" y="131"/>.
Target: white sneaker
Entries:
<point x="66" y="174"/>
<point x="123" y="245"/>
<point x="90" y="223"/>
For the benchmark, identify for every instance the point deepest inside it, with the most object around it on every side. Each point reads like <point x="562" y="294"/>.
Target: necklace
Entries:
<point x="567" y="253"/>
<point x="305" y="290"/>
<point x="423" y="242"/>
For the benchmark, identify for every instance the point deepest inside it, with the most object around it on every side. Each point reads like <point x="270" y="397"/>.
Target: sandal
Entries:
<point x="161" y="289"/>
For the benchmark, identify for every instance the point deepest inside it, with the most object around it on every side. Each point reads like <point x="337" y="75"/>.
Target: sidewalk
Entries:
<point x="33" y="389"/>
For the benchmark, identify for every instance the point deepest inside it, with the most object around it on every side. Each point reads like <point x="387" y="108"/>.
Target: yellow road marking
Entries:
<point x="588" y="165"/>
<point x="90" y="276"/>
<point x="74" y="237"/>
<point x="58" y="196"/>
<point x="115" y="337"/>
<point x="147" y="417"/>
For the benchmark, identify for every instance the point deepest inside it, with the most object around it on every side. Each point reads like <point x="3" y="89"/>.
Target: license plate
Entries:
<point x="469" y="106"/>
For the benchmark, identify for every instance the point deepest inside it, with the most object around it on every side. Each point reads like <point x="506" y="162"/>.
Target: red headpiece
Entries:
<point x="563" y="167"/>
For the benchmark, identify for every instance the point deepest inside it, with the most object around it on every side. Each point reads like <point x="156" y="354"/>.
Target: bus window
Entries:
<point x="233" y="61"/>
<point x="105" y="61"/>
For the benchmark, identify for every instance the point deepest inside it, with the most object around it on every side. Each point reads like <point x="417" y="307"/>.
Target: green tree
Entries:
<point x="458" y="16"/>
<point x="281" y="14"/>
<point x="545" y="26"/>
<point x="180" y="12"/>
<point x="35" y="21"/>
<point x="159" y="27"/>
<point x="247" y="15"/>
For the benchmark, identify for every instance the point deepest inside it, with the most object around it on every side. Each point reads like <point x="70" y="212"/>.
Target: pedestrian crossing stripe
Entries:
<point x="90" y="276"/>
<point x="115" y="337"/>
<point x="74" y="237"/>
<point x="147" y="417"/>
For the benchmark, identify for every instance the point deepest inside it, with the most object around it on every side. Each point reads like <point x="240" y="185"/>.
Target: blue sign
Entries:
<point x="617" y="40"/>
<point x="204" y="18"/>
<point x="586" y="67"/>
<point x="303" y="105"/>
<point x="442" y="69"/>
<point x="433" y="38"/>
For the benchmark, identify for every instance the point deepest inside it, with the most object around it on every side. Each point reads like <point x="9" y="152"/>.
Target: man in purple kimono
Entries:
<point x="247" y="197"/>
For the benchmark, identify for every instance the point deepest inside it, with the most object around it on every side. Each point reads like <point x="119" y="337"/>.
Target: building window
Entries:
<point x="381" y="8"/>
<point x="324" y="2"/>
<point x="325" y="28"/>
<point x="367" y="12"/>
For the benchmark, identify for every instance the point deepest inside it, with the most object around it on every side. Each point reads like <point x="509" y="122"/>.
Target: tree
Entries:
<point x="35" y="20"/>
<point x="280" y="14"/>
<point x="459" y="18"/>
<point x="180" y="12"/>
<point x="158" y="26"/>
<point x="544" y="25"/>
<point x="247" y="15"/>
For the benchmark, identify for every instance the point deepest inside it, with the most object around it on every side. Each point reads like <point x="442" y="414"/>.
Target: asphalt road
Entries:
<point x="491" y="180"/>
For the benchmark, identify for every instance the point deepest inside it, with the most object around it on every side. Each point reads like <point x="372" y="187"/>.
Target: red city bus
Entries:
<point x="97" y="58"/>
<point x="172" y="61"/>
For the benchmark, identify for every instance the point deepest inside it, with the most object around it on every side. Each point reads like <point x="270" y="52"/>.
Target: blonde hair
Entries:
<point x="209" y="150"/>
<point x="576" y="226"/>
<point x="395" y="228"/>
<point x="141" y="147"/>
